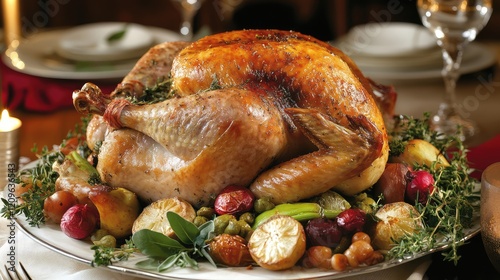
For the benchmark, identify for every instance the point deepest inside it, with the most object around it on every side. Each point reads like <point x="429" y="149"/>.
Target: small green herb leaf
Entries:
<point x="149" y="264"/>
<point x="184" y="230"/>
<point x="155" y="244"/>
<point x="168" y="263"/>
<point x="115" y="36"/>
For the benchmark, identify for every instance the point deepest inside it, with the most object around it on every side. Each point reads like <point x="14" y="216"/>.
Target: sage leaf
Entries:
<point x="206" y="232"/>
<point x="184" y="230"/>
<point x="168" y="263"/>
<point x="156" y="245"/>
<point x="148" y="264"/>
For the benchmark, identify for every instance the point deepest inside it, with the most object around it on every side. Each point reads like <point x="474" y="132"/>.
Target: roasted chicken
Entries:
<point x="290" y="118"/>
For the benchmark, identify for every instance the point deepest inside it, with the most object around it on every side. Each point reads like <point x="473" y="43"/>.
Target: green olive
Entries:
<point x="199" y="220"/>
<point x="263" y="204"/>
<point x="207" y="212"/>
<point x="98" y="234"/>
<point x="233" y="227"/>
<point x="108" y="241"/>
<point x="221" y="222"/>
<point x="248" y="217"/>
<point x="245" y="229"/>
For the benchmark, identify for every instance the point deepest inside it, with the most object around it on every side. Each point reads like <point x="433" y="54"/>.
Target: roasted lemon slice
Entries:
<point x="278" y="243"/>
<point x="396" y="220"/>
<point x="154" y="216"/>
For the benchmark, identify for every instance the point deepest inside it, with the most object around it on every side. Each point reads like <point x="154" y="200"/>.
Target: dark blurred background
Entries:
<point x="324" y="19"/>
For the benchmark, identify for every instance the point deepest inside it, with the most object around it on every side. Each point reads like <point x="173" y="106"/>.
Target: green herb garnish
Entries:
<point x="162" y="251"/>
<point x="115" y="36"/>
<point x="40" y="180"/>
<point x="408" y="128"/>
<point x="159" y="92"/>
<point x="106" y="256"/>
<point x="451" y="207"/>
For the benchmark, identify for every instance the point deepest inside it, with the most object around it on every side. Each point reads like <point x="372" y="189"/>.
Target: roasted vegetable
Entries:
<point x="392" y="184"/>
<point x="154" y="216"/>
<point x="234" y="200"/>
<point x="278" y="243"/>
<point x="118" y="210"/>
<point x="79" y="221"/>
<point x="300" y="211"/>
<point x="421" y="152"/>
<point x="230" y="250"/>
<point x="395" y="221"/>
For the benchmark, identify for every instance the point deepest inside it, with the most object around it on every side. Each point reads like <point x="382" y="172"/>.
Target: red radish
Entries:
<point x="79" y="221"/>
<point x="420" y="185"/>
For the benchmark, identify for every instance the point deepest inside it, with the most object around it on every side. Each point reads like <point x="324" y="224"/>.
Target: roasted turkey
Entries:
<point x="290" y="117"/>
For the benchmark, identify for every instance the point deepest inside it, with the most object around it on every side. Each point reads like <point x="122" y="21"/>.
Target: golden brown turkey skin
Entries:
<point x="305" y="73"/>
<point x="195" y="145"/>
<point x="277" y="91"/>
<point x="153" y="67"/>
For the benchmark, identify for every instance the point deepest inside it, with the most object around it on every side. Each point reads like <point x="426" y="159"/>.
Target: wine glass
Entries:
<point x="188" y="8"/>
<point x="490" y="213"/>
<point x="455" y="23"/>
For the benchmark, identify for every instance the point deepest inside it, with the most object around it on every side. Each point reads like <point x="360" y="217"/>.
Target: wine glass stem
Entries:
<point x="187" y="23"/>
<point x="452" y="57"/>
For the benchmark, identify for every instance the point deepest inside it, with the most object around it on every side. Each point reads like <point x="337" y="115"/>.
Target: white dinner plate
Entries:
<point x="477" y="57"/>
<point x="388" y="39"/>
<point x="89" y="42"/>
<point x="424" y="66"/>
<point x="37" y="56"/>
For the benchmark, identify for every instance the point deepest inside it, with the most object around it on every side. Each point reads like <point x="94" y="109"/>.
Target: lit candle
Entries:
<point x="11" y="21"/>
<point x="8" y="123"/>
<point x="9" y="147"/>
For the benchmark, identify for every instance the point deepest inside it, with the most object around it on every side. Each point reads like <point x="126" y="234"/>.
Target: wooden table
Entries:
<point x="44" y="129"/>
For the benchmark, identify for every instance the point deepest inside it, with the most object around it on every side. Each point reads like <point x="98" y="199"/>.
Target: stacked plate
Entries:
<point x="105" y="42"/>
<point x="105" y="50"/>
<point x="393" y="52"/>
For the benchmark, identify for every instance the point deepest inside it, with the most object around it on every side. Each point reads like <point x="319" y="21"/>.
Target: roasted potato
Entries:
<point x="118" y="210"/>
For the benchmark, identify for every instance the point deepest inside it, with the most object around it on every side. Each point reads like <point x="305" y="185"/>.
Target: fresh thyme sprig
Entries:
<point x="451" y="207"/>
<point x="40" y="180"/>
<point x="159" y="92"/>
<point x="40" y="184"/>
<point x="104" y="256"/>
<point x="407" y="128"/>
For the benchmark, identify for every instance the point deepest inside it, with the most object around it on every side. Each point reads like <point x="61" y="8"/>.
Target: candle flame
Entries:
<point x="5" y="115"/>
<point x="8" y="123"/>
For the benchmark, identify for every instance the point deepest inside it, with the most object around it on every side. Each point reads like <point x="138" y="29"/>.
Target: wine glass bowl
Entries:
<point x="454" y="23"/>
<point x="188" y="9"/>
